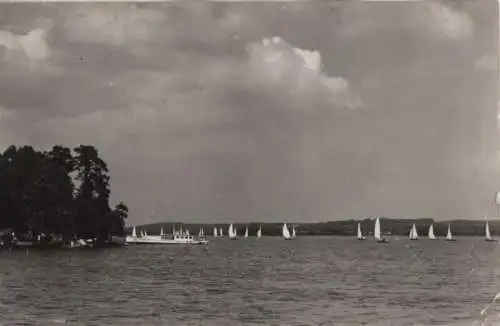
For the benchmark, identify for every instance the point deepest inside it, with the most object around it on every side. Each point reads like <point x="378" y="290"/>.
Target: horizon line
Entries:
<point x="319" y="222"/>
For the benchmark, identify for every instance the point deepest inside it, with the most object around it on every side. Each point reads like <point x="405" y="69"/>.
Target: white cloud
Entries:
<point x="448" y="22"/>
<point x="28" y="53"/>
<point x="32" y="45"/>
<point x="275" y="62"/>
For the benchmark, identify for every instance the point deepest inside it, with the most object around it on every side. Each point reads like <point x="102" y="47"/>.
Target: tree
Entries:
<point x="92" y="198"/>
<point x="37" y="192"/>
<point x="63" y="156"/>
<point x="51" y="199"/>
<point x="115" y="220"/>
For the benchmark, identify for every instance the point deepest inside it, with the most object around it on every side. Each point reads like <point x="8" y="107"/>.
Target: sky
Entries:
<point x="264" y="111"/>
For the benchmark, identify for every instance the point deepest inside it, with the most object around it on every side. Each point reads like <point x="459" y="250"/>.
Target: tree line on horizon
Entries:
<point x="61" y="191"/>
<point x="392" y="226"/>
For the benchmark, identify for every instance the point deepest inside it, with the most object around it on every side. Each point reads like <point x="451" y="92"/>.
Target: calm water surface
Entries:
<point x="267" y="281"/>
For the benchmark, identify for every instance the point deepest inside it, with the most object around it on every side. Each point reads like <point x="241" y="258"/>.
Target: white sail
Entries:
<point x="487" y="231"/>
<point x="497" y="198"/>
<point x="246" y="232"/>
<point x="232" y="232"/>
<point x="134" y="232"/>
<point x="293" y="232"/>
<point x="376" y="232"/>
<point x="448" y="235"/>
<point x="431" y="232"/>
<point x="285" y="232"/>
<point x="259" y="232"/>
<point x="200" y="233"/>
<point x="187" y="231"/>
<point x="161" y="231"/>
<point x="215" y="232"/>
<point x="221" y="232"/>
<point x="413" y="232"/>
<point x="359" y="233"/>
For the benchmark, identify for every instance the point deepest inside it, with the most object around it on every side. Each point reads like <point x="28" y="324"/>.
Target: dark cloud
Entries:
<point x="263" y="111"/>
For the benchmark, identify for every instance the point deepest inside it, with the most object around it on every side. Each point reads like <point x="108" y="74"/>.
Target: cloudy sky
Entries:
<point x="264" y="111"/>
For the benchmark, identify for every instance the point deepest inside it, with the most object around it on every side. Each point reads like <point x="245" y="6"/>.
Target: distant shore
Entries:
<point x="390" y="226"/>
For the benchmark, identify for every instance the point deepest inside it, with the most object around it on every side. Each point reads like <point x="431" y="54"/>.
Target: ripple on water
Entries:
<point x="311" y="281"/>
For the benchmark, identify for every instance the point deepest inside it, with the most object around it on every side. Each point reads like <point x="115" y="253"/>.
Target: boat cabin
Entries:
<point x="183" y="237"/>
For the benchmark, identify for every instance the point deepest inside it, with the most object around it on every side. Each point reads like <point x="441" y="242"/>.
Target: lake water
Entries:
<point x="267" y="281"/>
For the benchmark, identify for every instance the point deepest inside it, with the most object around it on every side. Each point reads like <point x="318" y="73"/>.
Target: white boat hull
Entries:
<point x="24" y="244"/>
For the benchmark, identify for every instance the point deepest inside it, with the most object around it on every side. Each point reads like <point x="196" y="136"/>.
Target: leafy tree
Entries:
<point x="37" y="192"/>
<point x="92" y="198"/>
<point x="115" y="224"/>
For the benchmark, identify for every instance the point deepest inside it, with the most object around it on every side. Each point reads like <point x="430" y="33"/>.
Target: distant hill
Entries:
<point x="341" y="228"/>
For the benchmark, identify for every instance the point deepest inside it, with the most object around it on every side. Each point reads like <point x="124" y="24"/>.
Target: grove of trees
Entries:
<point x="61" y="191"/>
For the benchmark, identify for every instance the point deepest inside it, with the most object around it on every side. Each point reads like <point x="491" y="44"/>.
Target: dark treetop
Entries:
<point x="61" y="191"/>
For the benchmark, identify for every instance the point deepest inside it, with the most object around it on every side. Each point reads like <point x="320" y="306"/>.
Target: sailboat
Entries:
<point x="286" y="233"/>
<point x="221" y="232"/>
<point x="259" y="232"/>
<point x="413" y="233"/>
<point x="215" y="232"/>
<point x="450" y="237"/>
<point x="487" y="232"/>
<point x="431" y="232"/>
<point x="161" y="232"/>
<point x="201" y="233"/>
<point x="133" y="237"/>
<point x="377" y="234"/>
<point x="232" y="232"/>
<point x="293" y="232"/>
<point x="246" y="232"/>
<point x="360" y="234"/>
